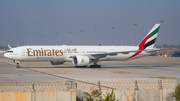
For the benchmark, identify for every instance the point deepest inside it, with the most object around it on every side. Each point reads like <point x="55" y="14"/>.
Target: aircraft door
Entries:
<point x="111" y="50"/>
<point x="23" y="52"/>
<point x="82" y="51"/>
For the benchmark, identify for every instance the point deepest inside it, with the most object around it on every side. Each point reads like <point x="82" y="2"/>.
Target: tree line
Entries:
<point x="168" y="46"/>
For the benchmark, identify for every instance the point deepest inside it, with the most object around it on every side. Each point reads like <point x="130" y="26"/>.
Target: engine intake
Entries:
<point x="81" y="60"/>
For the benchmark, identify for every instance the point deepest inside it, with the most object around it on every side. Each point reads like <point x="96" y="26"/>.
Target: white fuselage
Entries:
<point x="64" y="53"/>
<point x="84" y="55"/>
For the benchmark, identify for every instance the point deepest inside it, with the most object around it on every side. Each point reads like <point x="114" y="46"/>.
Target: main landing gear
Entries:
<point x="17" y="66"/>
<point x="95" y="64"/>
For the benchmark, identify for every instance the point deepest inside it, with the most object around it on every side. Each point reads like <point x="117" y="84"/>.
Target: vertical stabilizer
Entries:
<point x="148" y="41"/>
<point x="150" y="38"/>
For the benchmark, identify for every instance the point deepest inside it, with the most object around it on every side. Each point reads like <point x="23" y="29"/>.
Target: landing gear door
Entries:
<point x="23" y="52"/>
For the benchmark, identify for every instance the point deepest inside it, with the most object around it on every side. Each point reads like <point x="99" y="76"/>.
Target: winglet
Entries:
<point x="9" y="47"/>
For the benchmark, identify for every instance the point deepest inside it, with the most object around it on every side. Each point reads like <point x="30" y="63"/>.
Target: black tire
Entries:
<point x="91" y="66"/>
<point x="18" y="67"/>
<point x="95" y="66"/>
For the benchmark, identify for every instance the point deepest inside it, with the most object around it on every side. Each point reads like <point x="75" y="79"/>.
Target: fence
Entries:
<point x="125" y="90"/>
<point x="63" y="86"/>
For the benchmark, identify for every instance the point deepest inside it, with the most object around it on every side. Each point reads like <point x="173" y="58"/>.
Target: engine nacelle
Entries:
<point x="56" y="62"/>
<point x="81" y="60"/>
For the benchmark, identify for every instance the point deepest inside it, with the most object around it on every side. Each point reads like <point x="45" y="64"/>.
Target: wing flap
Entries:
<point x="102" y="55"/>
<point x="153" y="50"/>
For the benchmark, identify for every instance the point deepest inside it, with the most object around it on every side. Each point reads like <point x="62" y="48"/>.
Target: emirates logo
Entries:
<point x="82" y="61"/>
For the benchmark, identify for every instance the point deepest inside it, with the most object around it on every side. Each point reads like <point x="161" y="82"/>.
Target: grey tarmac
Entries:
<point x="142" y="68"/>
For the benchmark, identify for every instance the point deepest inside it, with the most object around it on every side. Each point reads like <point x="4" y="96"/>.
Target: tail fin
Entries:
<point x="150" y="38"/>
<point x="148" y="41"/>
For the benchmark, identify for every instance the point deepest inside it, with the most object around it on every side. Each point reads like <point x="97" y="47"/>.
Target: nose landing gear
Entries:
<point x="18" y="66"/>
<point x="17" y="62"/>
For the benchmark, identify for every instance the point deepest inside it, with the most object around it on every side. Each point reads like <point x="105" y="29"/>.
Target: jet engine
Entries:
<point x="81" y="60"/>
<point x="56" y="62"/>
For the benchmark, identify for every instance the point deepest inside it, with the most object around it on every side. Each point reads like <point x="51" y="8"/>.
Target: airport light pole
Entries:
<point x="112" y="36"/>
<point x="36" y="41"/>
<point x="32" y="41"/>
<point x="42" y="39"/>
<point x="96" y="37"/>
<point x="162" y="35"/>
<point x="82" y="36"/>
<point x="135" y="33"/>
<point x="69" y="38"/>
<point x="28" y="41"/>
<point x="57" y="38"/>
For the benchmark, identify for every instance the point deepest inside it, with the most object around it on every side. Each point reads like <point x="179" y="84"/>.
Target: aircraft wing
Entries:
<point x="102" y="55"/>
<point x="9" y="47"/>
<point x="153" y="50"/>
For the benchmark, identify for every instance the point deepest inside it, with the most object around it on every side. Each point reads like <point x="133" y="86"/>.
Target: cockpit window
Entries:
<point x="9" y="51"/>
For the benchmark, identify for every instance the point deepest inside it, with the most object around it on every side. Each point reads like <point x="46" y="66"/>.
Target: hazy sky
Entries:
<point x="62" y="21"/>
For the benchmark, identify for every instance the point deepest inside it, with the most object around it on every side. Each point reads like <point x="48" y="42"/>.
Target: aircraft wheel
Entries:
<point x="18" y="67"/>
<point x="95" y="66"/>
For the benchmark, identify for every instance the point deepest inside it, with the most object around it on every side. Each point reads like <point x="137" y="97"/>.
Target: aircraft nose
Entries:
<point x="5" y="55"/>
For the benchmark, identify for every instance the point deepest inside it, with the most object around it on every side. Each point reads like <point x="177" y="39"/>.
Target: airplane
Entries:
<point x="83" y="56"/>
